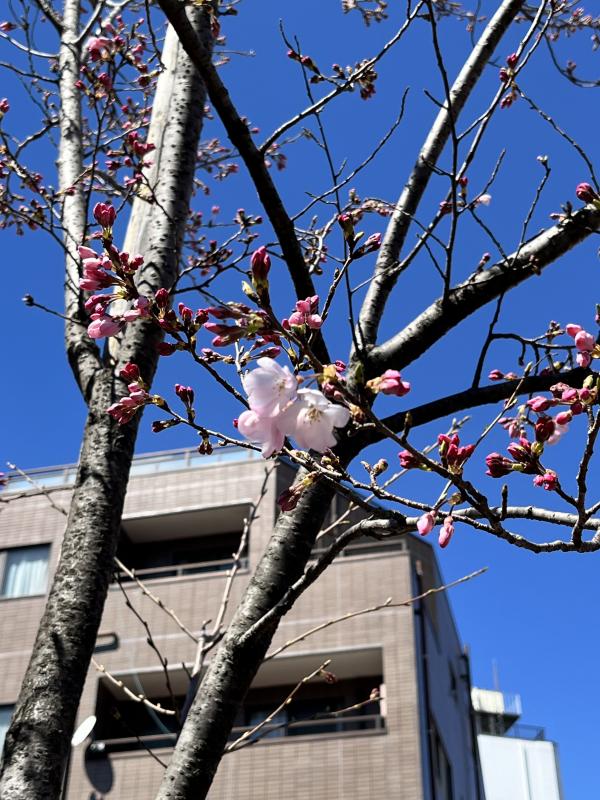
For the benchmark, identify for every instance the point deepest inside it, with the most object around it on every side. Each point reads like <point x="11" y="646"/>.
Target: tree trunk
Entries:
<point x="38" y="740"/>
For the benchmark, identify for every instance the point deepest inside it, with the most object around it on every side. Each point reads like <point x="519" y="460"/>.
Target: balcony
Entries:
<point x="346" y="705"/>
<point x="144" y="464"/>
<point x="183" y="542"/>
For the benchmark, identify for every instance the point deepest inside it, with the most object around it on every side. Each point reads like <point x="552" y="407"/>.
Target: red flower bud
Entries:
<point x="104" y="214"/>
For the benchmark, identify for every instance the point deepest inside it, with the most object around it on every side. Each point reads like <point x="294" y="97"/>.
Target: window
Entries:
<point x="5" y="715"/>
<point x="24" y="571"/>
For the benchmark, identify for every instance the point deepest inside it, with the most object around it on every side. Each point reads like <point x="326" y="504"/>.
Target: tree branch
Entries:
<point x="385" y="276"/>
<point x="470" y="295"/>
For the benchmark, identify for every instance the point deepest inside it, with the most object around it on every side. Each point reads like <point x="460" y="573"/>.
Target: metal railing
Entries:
<point x="522" y="731"/>
<point x="375" y="546"/>
<point x="179" y="570"/>
<point x="143" y="464"/>
<point x="301" y="727"/>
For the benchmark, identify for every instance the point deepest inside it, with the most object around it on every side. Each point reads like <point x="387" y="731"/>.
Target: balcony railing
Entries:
<point x="179" y="570"/>
<point x="373" y="547"/>
<point x="531" y="732"/>
<point x="144" y="464"/>
<point x="305" y="727"/>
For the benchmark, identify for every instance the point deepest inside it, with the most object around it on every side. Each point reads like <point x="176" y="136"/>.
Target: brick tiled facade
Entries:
<point x="424" y="671"/>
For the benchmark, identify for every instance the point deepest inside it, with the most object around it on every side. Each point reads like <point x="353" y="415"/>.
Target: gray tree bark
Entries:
<point x="38" y="740"/>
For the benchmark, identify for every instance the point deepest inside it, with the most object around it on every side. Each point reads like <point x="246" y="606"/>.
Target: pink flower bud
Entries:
<point x="104" y="215"/>
<point x="185" y="394"/>
<point x="586" y="193"/>
<point x="260" y="263"/>
<point x="425" y="523"/>
<point x="563" y="417"/>
<point x="130" y="372"/>
<point x="165" y="348"/>
<point x="496" y="375"/>
<point x="584" y="341"/>
<point x="497" y="465"/>
<point x="446" y="532"/>
<point x="162" y="298"/>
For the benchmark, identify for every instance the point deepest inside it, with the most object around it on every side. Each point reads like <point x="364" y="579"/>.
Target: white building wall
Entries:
<point x="518" y="769"/>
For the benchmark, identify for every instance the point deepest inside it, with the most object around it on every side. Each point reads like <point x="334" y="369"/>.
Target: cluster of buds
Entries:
<point x="247" y="324"/>
<point x="452" y="455"/>
<point x="4" y="107"/>
<point x="585" y="344"/>
<point x="131" y="155"/>
<point x="365" y="81"/>
<point x="186" y="395"/>
<point x="426" y="523"/>
<point x="110" y="269"/>
<point x="526" y="459"/>
<point x="389" y="383"/>
<point x="351" y="237"/>
<point x="305" y="316"/>
<point x="497" y="375"/>
<point x="306" y="61"/>
<point x="507" y="75"/>
<point x="187" y="321"/>
<point x="126" y="408"/>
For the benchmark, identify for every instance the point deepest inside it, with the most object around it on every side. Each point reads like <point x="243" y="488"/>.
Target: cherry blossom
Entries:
<point x="311" y="420"/>
<point x="261" y="430"/>
<point x="270" y="388"/>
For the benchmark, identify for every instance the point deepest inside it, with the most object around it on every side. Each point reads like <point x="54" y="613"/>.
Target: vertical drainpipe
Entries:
<point x="474" y="745"/>
<point x="420" y="615"/>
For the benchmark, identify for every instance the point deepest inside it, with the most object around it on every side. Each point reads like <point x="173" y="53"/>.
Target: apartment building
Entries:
<point x="395" y="723"/>
<point x="517" y="760"/>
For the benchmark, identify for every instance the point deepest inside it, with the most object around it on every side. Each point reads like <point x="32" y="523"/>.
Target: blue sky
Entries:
<point x="532" y="614"/>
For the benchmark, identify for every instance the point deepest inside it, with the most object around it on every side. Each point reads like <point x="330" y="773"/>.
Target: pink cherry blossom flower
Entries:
<point x="311" y="420"/>
<point x="446" y="532"/>
<point x="573" y="329"/>
<point x="425" y="523"/>
<point x="270" y="388"/>
<point x="261" y="430"/>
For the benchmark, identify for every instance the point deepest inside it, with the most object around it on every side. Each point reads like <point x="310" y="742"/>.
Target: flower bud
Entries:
<point x="586" y="193"/>
<point x="162" y="298"/>
<point x="104" y="215"/>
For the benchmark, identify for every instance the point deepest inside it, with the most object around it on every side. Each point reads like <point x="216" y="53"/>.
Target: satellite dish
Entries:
<point x="83" y="731"/>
